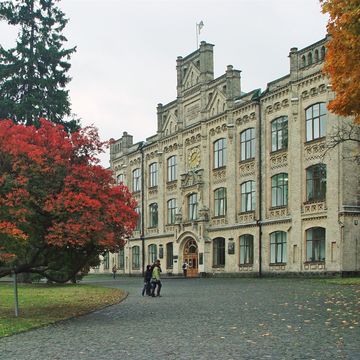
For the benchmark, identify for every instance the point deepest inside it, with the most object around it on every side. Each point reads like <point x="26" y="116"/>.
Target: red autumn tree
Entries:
<point x="342" y="62"/>
<point x="59" y="210"/>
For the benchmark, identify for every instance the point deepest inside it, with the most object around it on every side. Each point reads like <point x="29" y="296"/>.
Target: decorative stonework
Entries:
<point x="278" y="160"/>
<point x="245" y="268"/>
<point x="276" y="213"/>
<point x="136" y="161"/>
<point x="151" y="155"/>
<point x="315" y="150"/>
<point x="314" y="91"/>
<point x="314" y="208"/>
<point x="218" y="221"/>
<point x="218" y="130"/>
<point x="246" y="217"/>
<point x="171" y="148"/>
<point x="170" y="228"/>
<point x="219" y="175"/>
<point x="277" y="267"/>
<point x="247" y="168"/>
<point x="151" y="231"/>
<point x="153" y="192"/>
<point x="171" y="186"/>
<point x="245" y="119"/>
<point x="192" y="178"/>
<point x="193" y="139"/>
<point x="314" y="266"/>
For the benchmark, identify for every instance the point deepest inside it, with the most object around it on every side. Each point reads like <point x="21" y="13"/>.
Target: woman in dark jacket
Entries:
<point x="147" y="280"/>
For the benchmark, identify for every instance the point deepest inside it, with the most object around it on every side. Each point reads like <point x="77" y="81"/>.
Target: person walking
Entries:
<point x="114" y="270"/>
<point x="147" y="281"/>
<point x="156" y="281"/>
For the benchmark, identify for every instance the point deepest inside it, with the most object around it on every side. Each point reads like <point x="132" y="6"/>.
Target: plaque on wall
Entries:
<point x="231" y="247"/>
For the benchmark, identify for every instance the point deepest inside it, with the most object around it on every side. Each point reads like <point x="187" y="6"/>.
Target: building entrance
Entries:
<point x="191" y="257"/>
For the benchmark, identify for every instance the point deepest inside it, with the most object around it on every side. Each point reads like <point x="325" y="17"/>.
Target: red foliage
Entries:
<point x="52" y="191"/>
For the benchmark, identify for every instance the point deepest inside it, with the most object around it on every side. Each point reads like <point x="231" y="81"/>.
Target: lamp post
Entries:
<point x="142" y="234"/>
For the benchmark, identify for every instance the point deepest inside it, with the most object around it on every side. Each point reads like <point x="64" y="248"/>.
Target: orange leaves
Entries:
<point x="10" y="229"/>
<point x="343" y="56"/>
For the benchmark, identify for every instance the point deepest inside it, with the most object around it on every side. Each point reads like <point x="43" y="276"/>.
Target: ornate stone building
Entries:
<point x="236" y="182"/>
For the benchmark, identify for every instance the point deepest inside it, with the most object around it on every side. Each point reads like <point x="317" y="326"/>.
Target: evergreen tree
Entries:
<point x="33" y="74"/>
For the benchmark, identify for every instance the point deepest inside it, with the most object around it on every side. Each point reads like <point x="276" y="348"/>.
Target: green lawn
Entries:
<point x="41" y="304"/>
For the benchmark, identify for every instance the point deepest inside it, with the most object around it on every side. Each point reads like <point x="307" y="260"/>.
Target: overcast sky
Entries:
<point x="125" y="62"/>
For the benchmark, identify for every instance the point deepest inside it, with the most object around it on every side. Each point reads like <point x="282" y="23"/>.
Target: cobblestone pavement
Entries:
<point x="206" y="319"/>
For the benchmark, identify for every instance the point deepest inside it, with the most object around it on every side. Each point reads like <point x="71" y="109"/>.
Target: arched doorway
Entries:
<point x="191" y="257"/>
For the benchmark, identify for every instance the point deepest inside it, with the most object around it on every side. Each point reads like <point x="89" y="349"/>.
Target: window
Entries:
<point x="138" y="222"/>
<point x="153" y="172"/>
<point x="279" y="133"/>
<point x="219" y="252"/>
<point x="279" y="190"/>
<point x="121" y="261"/>
<point x="247" y="196"/>
<point x="316" y="182"/>
<point x="136" y="180"/>
<point x="247" y="144"/>
<point x="278" y="247"/>
<point x="171" y="211"/>
<point x="315" y="121"/>
<point x="152" y="251"/>
<point x="246" y="249"/>
<point x="220" y="202"/>
<point x="310" y="58"/>
<point x="135" y="252"/>
<point x="192" y="206"/>
<point x="153" y="218"/>
<point x="120" y="179"/>
<point x="169" y="255"/>
<point x="171" y="167"/>
<point x="315" y="244"/>
<point x="219" y="153"/>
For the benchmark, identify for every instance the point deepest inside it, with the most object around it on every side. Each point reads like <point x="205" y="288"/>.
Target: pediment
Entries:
<point x="192" y="76"/>
<point x="217" y="103"/>
<point x="170" y="124"/>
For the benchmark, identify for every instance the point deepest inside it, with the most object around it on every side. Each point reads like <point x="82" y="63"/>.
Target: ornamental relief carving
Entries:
<point x="193" y="139"/>
<point x="171" y="148"/>
<point x="278" y="213"/>
<point x="313" y="208"/>
<point x="218" y="221"/>
<point x="315" y="151"/>
<point x="314" y="91"/>
<point x="152" y="231"/>
<point x="245" y="119"/>
<point x="247" y="168"/>
<point x="277" y="106"/>
<point x="278" y="160"/>
<point x="135" y="161"/>
<point x="192" y="178"/>
<point x="119" y="167"/>
<point x="152" y="155"/>
<point x="218" y="130"/>
<point x="153" y="192"/>
<point x="219" y="175"/>
<point x="170" y="187"/>
<point x="246" y="217"/>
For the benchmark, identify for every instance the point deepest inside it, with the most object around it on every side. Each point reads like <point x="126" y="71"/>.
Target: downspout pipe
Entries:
<point x="259" y="220"/>
<point x="142" y="235"/>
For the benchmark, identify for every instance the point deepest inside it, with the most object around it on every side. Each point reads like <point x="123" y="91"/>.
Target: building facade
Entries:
<point x="242" y="183"/>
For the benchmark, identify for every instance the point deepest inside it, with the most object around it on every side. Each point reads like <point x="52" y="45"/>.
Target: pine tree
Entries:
<point x="33" y="74"/>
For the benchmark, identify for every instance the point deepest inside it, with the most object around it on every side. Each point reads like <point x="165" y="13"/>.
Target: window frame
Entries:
<point x="246" y="249"/>
<point x="219" y="252"/>
<point x="247" y="194"/>
<point x="278" y="247"/>
<point x="152" y="253"/>
<point x="153" y="215"/>
<point x="171" y="168"/>
<point x="316" y="181"/>
<point x="279" y="133"/>
<point x="171" y="210"/>
<point x="169" y="255"/>
<point x="153" y="174"/>
<point x="315" y="119"/>
<point x="136" y="180"/>
<point x="135" y="257"/>
<point x="315" y="245"/>
<point x="220" y="153"/>
<point x="280" y="190"/>
<point x="220" y="202"/>
<point x="247" y="144"/>
<point x="192" y="206"/>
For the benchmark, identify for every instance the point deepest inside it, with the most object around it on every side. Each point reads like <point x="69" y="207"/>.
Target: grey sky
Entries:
<point x="125" y="62"/>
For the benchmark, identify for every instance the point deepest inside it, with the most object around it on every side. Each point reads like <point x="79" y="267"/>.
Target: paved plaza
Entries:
<point x="206" y="319"/>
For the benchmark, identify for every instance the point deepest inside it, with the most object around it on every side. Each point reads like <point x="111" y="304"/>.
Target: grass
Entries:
<point x="42" y="304"/>
<point x="344" y="281"/>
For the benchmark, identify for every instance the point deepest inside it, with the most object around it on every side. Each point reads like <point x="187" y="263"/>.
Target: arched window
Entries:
<point x="135" y="252"/>
<point x="316" y="182"/>
<point x="153" y="174"/>
<point x="315" y="121"/>
<point x="303" y="61"/>
<point x="153" y="215"/>
<point x="315" y="244"/>
<point x="136" y="180"/>
<point x="120" y="179"/>
<point x="220" y="202"/>
<point x="246" y="249"/>
<point x="316" y="57"/>
<point x="310" y="58"/>
<point x="278" y="247"/>
<point x="248" y="198"/>
<point x="219" y="153"/>
<point x="247" y="144"/>
<point x="121" y="261"/>
<point x="219" y="252"/>
<point x="322" y="52"/>
<point x="171" y="211"/>
<point x="279" y="133"/>
<point x="152" y="253"/>
<point x="171" y="168"/>
<point x="279" y="190"/>
<point x="192" y="206"/>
